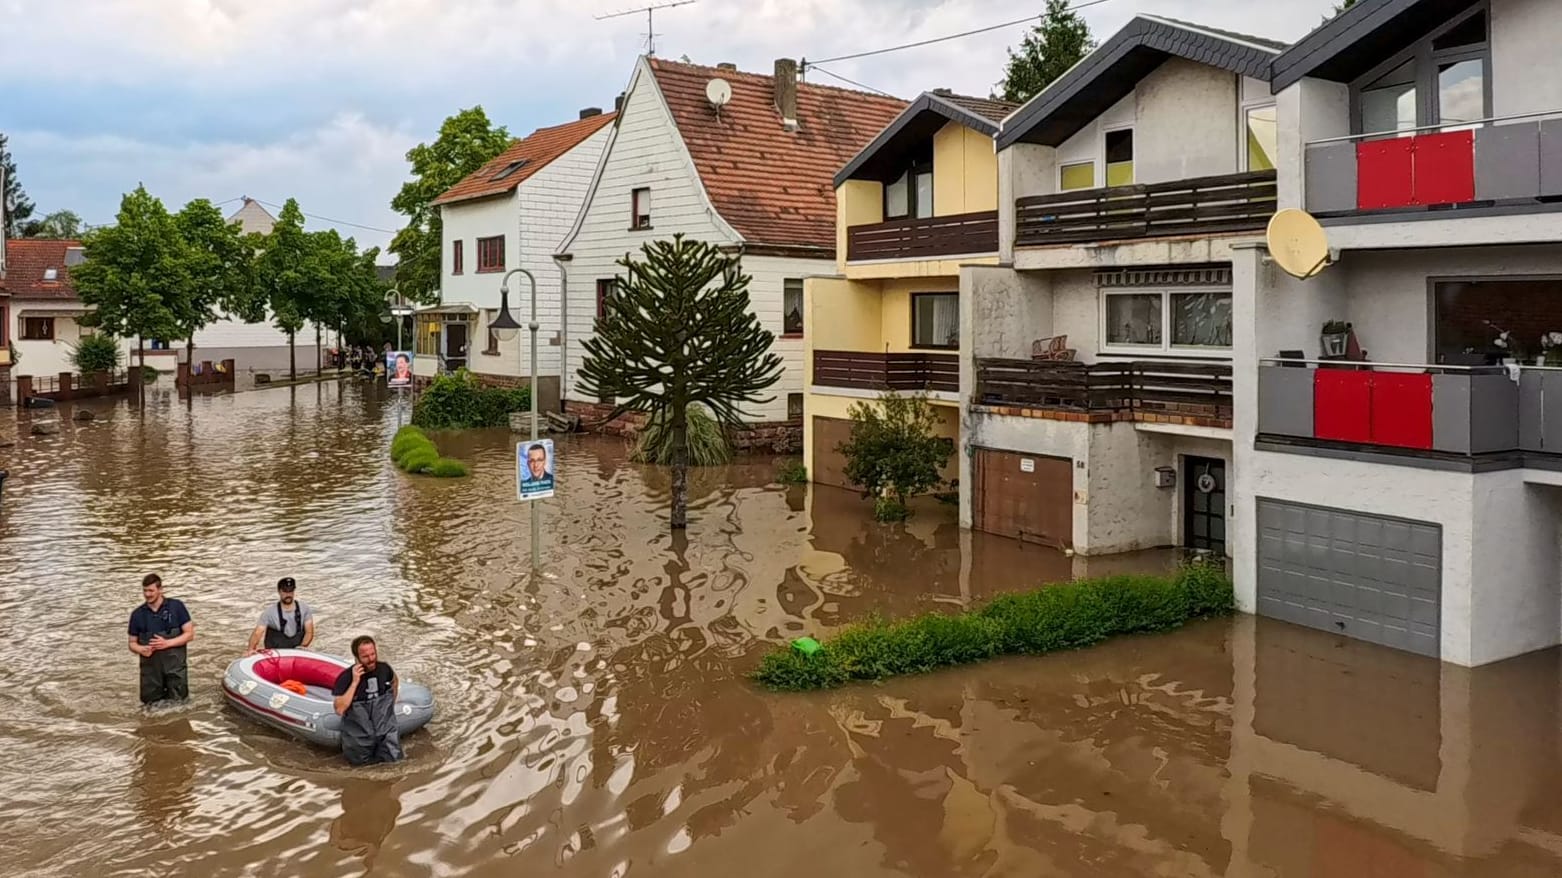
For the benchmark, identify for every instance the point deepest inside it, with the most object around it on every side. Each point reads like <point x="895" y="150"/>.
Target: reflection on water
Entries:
<point x="595" y="722"/>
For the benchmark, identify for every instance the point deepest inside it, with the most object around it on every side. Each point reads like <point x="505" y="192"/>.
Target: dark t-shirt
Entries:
<point x="167" y="620"/>
<point x="374" y="683"/>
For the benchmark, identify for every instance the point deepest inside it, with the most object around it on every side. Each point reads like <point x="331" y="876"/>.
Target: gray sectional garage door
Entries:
<point x="1365" y="576"/>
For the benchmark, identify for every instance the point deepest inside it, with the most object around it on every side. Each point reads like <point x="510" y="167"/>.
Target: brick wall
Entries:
<point x="775" y="437"/>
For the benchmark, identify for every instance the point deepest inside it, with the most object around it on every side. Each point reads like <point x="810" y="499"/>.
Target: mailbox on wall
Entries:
<point x="1165" y="477"/>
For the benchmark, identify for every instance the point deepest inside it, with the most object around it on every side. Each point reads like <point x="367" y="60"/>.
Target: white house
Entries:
<point x="510" y="213"/>
<point x="753" y="172"/>
<point x="1096" y="354"/>
<point x="40" y="311"/>
<point x="1411" y="497"/>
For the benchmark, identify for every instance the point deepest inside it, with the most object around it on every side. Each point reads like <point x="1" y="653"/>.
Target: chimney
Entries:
<point x="786" y="92"/>
<point x="727" y="65"/>
<point x="588" y="112"/>
<point x="618" y="103"/>
<point x="943" y="92"/>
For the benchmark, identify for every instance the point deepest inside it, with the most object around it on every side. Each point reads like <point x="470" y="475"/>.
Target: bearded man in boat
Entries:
<point x="287" y="624"/>
<point x="365" y="699"/>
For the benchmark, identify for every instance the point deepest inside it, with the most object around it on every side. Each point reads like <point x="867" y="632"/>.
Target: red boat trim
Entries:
<point x="250" y="705"/>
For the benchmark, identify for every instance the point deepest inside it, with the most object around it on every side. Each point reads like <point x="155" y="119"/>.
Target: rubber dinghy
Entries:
<point x="255" y="685"/>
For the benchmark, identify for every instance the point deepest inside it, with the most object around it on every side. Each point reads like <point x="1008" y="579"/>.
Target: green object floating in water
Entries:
<point x="806" y="645"/>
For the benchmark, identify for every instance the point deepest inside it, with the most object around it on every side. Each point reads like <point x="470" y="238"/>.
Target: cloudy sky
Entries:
<point x="320" y="99"/>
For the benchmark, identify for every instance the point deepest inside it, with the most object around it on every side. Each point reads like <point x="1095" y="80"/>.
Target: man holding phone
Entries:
<point x="366" y="702"/>
<point x="159" y="631"/>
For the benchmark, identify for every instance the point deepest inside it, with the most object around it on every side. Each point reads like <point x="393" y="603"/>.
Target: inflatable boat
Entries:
<point x="265" y="687"/>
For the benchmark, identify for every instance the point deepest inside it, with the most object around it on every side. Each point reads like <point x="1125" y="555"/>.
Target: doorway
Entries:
<point x="455" y="346"/>
<point x="1204" y="504"/>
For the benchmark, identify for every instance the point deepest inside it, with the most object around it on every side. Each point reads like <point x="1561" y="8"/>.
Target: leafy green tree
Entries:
<point x="466" y="142"/>
<point x="348" y="287"/>
<point x="18" y="208"/>
<point x="136" y="272"/>
<point x="1055" y="44"/>
<point x="1341" y="7"/>
<point x="220" y="273"/>
<point x="893" y="453"/>
<point x="679" y="331"/>
<point x="60" y="225"/>
<point x="287" y="275"/>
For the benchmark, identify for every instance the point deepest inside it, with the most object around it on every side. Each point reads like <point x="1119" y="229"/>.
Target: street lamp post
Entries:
<point x="399" y="310"/>
<point x="505" y="327"/>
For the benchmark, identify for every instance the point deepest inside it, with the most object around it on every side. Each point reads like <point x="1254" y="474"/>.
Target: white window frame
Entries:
<point x="1101" y="153"/>
<point x="1165" y="348"/>
<point x="1243" y="109"/>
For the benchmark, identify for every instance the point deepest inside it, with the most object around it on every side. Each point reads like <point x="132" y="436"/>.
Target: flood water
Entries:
<point x="596" y="721"/>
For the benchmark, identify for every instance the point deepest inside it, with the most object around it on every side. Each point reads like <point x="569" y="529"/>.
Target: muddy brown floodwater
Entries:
<point x="598" y="723"/>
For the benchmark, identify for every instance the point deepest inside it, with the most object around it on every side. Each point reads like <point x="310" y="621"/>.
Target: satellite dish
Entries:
<point x="1298" y="244"/>
<point x="718" y="92"/>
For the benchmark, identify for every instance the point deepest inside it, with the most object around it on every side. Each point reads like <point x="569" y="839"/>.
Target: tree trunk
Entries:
<point x="139" y="383"/>
<point x="319" y="363"/>
<point x="292" y="358"/>
<point x="189" y="354"/>
<point x="680" y="462"/>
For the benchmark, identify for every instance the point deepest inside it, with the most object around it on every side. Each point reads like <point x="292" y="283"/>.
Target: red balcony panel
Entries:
<point x="1445" y="168"/>
<point x="1402" y="409"/>
<point x="1385" y="173"/>
<point x="1342" y="405"/>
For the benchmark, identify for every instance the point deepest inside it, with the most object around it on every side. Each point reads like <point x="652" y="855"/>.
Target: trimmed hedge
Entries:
<point x="458" y="401"/>
<point x="1064" y="616"/>
<point x="413" y="452"/>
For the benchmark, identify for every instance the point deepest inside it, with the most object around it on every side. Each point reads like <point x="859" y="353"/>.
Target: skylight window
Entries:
<point x="51" y="274"/>
<point x="509" y="169"/>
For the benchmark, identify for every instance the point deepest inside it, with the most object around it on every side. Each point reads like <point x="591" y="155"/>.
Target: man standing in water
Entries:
<point x="366" y="701"/>
<point x="287" y="624"/>
<point x="159" y="631"/>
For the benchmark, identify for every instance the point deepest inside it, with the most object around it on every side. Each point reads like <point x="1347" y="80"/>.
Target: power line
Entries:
<point x="336" y="222"/>
<point x="920" y="43"/>
<point x="854" y="82"/>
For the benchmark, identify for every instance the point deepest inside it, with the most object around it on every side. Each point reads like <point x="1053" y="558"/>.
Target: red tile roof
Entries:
<point x="776" y="188"/>
<point x="26" y="261"/>
<point x="535" y="151"/>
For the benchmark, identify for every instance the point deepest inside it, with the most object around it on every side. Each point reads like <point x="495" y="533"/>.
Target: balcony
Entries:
<point x="1189" y="393"/>
<point x="1464" y="414"/>
<point x="908" y="372"/>
<point x="963" y="234"/>
<point x="1199" y="206"/>
<point x="1512" y="162"/>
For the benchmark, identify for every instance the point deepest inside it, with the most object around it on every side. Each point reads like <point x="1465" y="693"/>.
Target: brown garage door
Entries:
<point x="1024" y="496"/>
<point x="829" y="465"/>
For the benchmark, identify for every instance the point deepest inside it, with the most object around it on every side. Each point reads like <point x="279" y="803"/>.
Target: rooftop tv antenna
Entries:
<point x="650" y="19"/>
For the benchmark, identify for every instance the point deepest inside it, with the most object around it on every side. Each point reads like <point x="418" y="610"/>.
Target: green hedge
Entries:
<point x="457" y="401"/>
<point x="1065" y="616"/>
<point x="412" y="451"/>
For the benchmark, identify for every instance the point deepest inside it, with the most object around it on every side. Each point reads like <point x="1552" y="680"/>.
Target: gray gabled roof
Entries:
<point x="1110" y="73"/>
<point x="1356" y="40"/>
<point x="918" y="122"/>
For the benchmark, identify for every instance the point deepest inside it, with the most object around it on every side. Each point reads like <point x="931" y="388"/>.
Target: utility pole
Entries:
<point x="650" y="19"/>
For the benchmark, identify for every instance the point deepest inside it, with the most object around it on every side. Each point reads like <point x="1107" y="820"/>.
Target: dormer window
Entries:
<point x="1442" y="80"/>
<point x="910" y="195"/>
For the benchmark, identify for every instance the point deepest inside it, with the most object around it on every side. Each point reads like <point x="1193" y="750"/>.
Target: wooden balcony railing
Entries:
<point x="1143" y="387"/>
<point x="903" y="372"/>
<point x="958" y="235"/>
<point x="1204" y="205"/>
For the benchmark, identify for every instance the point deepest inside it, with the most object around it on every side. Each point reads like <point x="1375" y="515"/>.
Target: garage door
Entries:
<point x="1374" y="578"/>
<point x="829" y="465"/>
<point x="1023" y="496"/>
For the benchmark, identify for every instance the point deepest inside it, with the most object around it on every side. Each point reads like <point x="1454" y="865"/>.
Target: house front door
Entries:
<point x="1204" y="504"/>
<point x="455" y="346"/>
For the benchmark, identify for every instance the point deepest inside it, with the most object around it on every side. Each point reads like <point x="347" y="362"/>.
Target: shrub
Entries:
<point x="447" y="468"/>
<point x="419" y="459"/>
<point x="95" y="353"/>
<point x="412" y="451"/>
<point x="457" y="401"/>
<point x="792" y="472"/>
<point x="893" y="451"/>
<point x="148" y="374"/>
<point x="707" y="441"/>
<point x="1064" y="616"/>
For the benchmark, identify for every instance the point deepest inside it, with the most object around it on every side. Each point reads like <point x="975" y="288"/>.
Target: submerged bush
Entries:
<point x="412" y="451"/>
<point x="1063" y="616"/>
<point x="458" y="401"/>
<point x="707" y="441"/>
<point x="792" y="472"/>
<point x="95" y="353"/>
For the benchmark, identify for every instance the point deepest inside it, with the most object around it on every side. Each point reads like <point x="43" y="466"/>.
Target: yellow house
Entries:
<point x="920" y="201"/>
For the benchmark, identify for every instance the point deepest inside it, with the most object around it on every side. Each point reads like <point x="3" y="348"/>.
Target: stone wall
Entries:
<point x="773" y="437"/>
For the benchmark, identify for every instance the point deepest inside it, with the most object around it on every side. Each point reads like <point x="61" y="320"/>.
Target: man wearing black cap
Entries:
<point x="286" y="624"/>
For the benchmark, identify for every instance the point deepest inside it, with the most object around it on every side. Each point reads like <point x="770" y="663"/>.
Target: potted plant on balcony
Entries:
<point x="1551" y="350"/>
<point x="1512" y="353"/>
<point x="1336" y="335"/>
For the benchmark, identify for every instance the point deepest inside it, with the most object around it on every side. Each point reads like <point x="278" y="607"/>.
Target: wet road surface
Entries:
<point x="595" y="722"/>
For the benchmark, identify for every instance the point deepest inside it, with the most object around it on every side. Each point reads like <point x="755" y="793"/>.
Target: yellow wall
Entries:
<point x="965" y="171"/>
<point x="821" y="405"/>
<point x="857" y="203"/>
<point x="896" y="311"/>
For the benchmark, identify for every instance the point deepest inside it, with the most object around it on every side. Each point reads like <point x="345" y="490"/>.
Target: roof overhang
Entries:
<point x="1113" y="70"/>
<point x="1358" y="39"/>
<point x="908" y="134"/>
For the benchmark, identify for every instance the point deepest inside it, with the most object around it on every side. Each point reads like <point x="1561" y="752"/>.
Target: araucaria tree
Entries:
<point x="137" y="272"/>
<point x="1055" y="44"/>
<point x="17" y="207"/>
<point x="679" y="330"/>
<point x="893" y="452"/>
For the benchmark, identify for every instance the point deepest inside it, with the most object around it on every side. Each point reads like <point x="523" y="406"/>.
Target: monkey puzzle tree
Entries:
<point x="679" y="330"/>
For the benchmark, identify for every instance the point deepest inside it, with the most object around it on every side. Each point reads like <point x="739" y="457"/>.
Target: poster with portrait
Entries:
<point x="398" y="368"/>
<point x="534" y="469"/>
